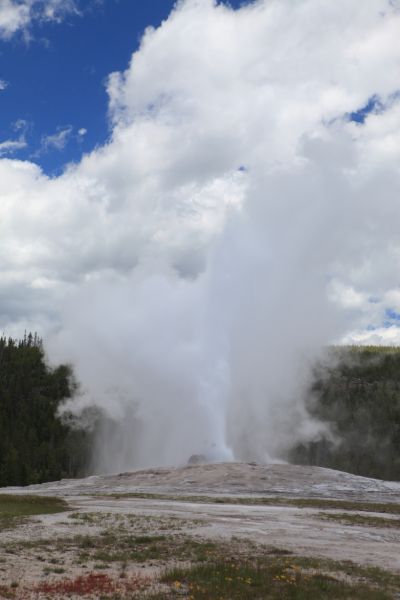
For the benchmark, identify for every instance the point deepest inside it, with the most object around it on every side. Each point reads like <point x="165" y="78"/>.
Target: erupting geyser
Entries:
<point x="242" y="215"/>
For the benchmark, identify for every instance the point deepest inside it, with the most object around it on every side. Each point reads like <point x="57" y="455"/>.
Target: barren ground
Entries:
<point x="217" y="503"/>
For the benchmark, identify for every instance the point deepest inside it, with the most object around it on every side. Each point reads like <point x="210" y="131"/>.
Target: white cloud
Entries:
<point x="173" y="273"/>
<point x="3" y="84"/>
<point x="13" y="16"/>
<point x="21" y="125"/>
<point x="10" y="146"/>
<point x="55" y="10"/>
<point x="386" y="336"/>
<point x="57" y="140"/>
<point x="17" y="15"/>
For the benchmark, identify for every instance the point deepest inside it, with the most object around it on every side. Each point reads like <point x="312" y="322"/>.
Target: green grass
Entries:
<point x="275" y="580"/>
<point x="140" y="549"/>
<point x="366" y="520"/>
<point x="272" y="576"/>
<point x="14" y="509"/>
<point x="113" y="546"/>
<point x="317" y="503"/>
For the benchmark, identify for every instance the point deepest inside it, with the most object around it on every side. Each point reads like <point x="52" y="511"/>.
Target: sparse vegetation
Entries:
<point x="97" y="585"/>
<point x="317" y="503"/>
<point x="228" y="571"/>
<point x="115" y="546"/>
<point x="363" y="520"/>
<point x="107" y="563"/>
<point x="130" y="521"/>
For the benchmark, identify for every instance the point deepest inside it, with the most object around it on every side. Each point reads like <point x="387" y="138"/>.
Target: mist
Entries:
<point x="218" y="361"/>
<point x="242" y="216"/>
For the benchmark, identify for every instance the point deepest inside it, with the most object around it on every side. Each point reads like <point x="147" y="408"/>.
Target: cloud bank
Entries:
<point x="236" y="222"/>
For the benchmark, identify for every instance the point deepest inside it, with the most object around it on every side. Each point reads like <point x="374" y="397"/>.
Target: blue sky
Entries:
<point x="56" y="80"/>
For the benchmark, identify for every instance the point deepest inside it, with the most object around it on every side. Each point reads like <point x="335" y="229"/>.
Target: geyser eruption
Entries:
<point x="217" y="362"/>
<point x="243" y="215"/>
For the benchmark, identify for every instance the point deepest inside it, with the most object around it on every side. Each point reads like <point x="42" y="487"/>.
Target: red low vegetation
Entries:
<point x="92" y="584"/>
<point x="83" y="585"/>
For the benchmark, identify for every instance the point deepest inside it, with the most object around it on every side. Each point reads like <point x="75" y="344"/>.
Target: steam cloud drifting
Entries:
<point x="237" y="221"/>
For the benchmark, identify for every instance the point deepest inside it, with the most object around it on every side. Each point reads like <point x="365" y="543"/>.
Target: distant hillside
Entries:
<point x="357" y="391"/>
<point x="35" y="445"/>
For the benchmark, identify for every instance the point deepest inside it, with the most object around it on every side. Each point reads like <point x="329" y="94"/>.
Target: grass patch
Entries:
<point x="159" y="549"/>
<point x="129" y="521"/>
<point x="112" y="546"/>
<point x="356" y="519"/>
<point x="275" y="579"/>
<point x="141" y="549"/>
<point x="317" y="503"/>
<point x="14" y="509"/>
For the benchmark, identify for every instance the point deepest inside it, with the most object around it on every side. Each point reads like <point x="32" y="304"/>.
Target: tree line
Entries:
<point x="36" y="445"/>
<point x="356" y="392"/>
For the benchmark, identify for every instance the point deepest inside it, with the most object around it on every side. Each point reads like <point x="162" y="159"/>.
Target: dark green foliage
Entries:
<point x="35" y="444"/>
<point x="359" y="397"/>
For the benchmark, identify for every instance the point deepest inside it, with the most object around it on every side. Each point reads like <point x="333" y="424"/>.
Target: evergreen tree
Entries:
<point x="359" y="397"/>
<point x="36" y="445"/>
